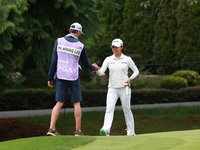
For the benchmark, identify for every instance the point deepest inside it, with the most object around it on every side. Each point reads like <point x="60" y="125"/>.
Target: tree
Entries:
<point x="151" y="31"/>
<point x="138" y="31"/>
<point x="164" y="42"/>
<point x="188" y="38"/>
<point x="10" y="19"/>
<point x="174" y="35"/>
<point x="31" y="28"/>
<point x="169" y="5"/>
<point x="111" y="16"/>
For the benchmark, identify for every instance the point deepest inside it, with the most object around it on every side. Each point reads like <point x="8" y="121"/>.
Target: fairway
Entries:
<point x="180" y="140"/>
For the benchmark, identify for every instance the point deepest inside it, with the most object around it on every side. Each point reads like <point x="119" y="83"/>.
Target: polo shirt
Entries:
<point x="118" y="70"/>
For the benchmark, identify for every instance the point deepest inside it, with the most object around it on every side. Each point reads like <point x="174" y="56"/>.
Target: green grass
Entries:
<point x="179" y="140"/>
<point x="182" y="124"/>
<point x="146" y="121"/>
<point x="46" y="143"/>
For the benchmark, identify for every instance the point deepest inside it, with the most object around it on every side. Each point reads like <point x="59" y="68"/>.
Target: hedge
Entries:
<point x="31" y="99"/>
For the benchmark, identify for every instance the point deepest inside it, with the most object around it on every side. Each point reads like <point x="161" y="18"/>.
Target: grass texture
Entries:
<point x="176" y="140"/>
<point x="176" y="128"/>
<point x="146" y="121"/>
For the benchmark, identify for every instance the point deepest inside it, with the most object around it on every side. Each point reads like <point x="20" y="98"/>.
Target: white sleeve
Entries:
<point x="135" y="72"/>
<point x="133" y="68"/>
<point x="103" y="68"/>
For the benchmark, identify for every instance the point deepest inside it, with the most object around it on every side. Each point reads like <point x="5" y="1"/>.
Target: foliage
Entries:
<point x="165" y="34"/>
<point x="162" y="33"/>
<point x="187" y="38"/>
<point x="10" y="18"/>
<point x="28" y="99"/>
<point x="110" y="14"/>
<point x="136" y="29"/>
<point x="175" y="38"/>
<point x="173" y="83"/>
<point x="29" y="29"/>
<point x="164" y="42"/>
<point x="146" y="82"/>
<point x="157" y="5"/>
<point x="35" y="79"/>
<point x="189" y="75"/>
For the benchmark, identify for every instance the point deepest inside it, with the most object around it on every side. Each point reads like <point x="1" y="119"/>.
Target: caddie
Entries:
<point x="64" y="67"/>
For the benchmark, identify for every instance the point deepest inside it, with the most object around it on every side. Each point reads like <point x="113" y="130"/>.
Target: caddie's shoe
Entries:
<point x="78" y="133"/>
<point x="53" y="132"/>
<point x="103" y="132"/>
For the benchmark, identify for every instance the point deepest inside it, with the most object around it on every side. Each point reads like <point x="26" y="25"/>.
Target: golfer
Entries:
<point x="65" y="66"/>
<point x="118" y="87"/>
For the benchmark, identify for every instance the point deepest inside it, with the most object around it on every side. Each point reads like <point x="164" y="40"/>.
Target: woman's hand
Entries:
<point x="128" y="81"/>
<point x="96" y="67"/>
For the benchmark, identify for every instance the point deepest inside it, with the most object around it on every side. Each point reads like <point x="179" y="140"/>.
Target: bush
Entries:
<point x="173" y="83"/>
<point x="28" y="99"/>
<point x="190" y="76"/>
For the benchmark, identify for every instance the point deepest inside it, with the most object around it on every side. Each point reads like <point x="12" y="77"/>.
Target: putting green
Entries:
<point x="179" y="140"/>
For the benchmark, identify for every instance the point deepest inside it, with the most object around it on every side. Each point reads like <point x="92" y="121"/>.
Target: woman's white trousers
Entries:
<point x="112" y="96"/>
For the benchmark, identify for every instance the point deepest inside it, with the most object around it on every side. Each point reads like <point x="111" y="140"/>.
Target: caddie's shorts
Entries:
<point x="62" y="87"/>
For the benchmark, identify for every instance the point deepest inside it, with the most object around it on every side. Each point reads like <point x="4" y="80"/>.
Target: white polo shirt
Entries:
<point x="118" y="70"/>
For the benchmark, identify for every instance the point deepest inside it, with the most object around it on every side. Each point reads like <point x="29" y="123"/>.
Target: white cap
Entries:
<point x="117" y="42"/>
<point x="76" y="26"/>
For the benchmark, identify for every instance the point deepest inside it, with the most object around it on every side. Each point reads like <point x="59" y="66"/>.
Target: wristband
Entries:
<point x="131" y="77"/>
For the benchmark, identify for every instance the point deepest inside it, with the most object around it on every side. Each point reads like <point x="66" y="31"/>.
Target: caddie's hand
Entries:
<point x="128" y="81"/>
<point x="96" y="66"/>
<point x="50" y="84"/>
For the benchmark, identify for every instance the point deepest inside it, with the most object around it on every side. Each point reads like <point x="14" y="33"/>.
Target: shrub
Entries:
<point x="173" y="83"/>
<point x="27" y="99"/>
<point x="32" y="99"/>
<point x="190" y="76"/>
